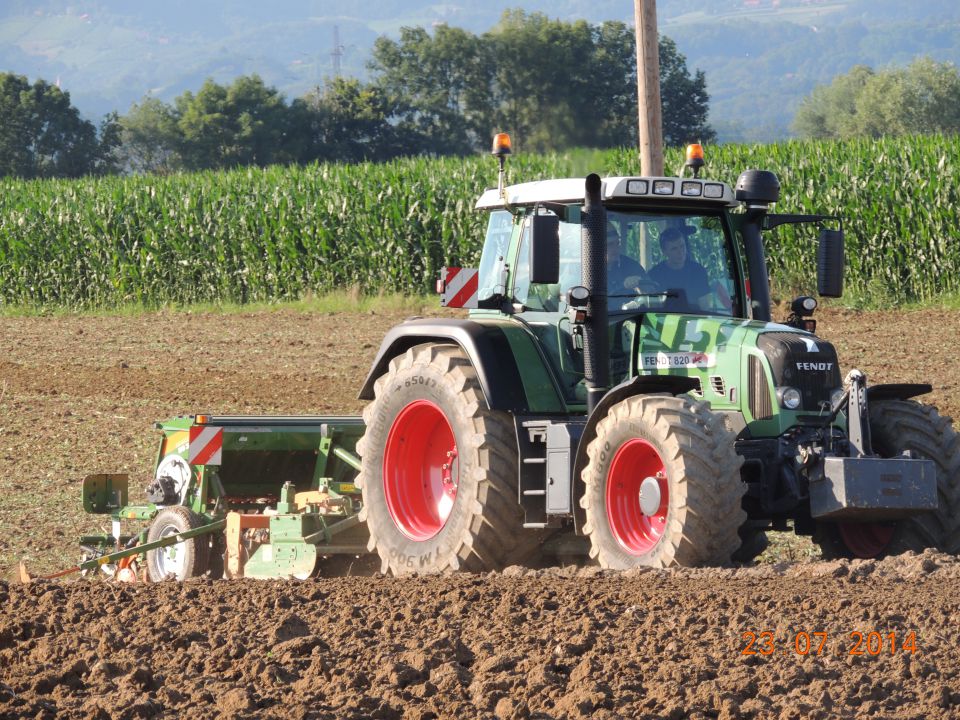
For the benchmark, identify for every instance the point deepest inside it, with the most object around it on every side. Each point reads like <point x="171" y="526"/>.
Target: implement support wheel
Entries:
<point x="662" y="486"/>
<point x="182" y="560"/>
<point x="439" y="471"/>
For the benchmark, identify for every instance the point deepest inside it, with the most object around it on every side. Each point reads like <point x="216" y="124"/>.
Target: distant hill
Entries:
<point x="760" y="56"/>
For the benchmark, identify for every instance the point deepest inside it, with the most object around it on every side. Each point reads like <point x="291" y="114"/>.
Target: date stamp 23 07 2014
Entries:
<point x="857" y="642"/>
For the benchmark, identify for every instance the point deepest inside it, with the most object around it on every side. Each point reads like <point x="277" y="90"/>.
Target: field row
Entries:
<point x="286" y="232"/>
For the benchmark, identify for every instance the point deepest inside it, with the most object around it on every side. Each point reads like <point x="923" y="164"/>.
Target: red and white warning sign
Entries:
<point x="459" y="287"/>
<point x="206" y="445"/>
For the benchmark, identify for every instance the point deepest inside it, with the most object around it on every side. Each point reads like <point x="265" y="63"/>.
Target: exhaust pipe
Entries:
<point x="758" y="189"/>
<point x="757" y="264"/>
<point x="593" y="258"/>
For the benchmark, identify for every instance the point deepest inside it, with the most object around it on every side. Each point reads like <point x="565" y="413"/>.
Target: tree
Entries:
<point x="931" y="96"/>
<point x="344" y="121"/>
<point x="614" y="78"/>
<point x="924" y="97"/>
<point x="684" y="98"/>
<point x="438" y="85"/>
<point x="227" y="126"/>
<point x="150" y="138"/>
<point x="42" y="134"/>
<point x="830" y="110"/>
<point x="111" y="139"/>
<point x="685" y="102"/>
<point x="554" y="84"/>
<point x="248" y="123"/>
<point x="543" y="79"/>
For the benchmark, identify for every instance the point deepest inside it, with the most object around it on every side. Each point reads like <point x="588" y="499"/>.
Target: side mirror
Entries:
<point x="545" y="249"/>
<point x="830" y="261"/>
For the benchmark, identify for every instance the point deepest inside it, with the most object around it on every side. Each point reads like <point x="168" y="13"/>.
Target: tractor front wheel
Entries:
<point x="181" y="560"/>
<point x="439" y="469"/>
<point x="662" y="486"/>
<point x="897" y="426"/>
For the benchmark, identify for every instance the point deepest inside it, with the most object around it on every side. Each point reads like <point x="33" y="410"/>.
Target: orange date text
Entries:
<point x="858" y="642"/>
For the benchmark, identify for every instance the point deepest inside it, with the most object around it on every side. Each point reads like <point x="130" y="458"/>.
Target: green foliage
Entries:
<point x="230" y="126"/>
<point x="537" y="78"/>
<point x="439" y="93"/>
<point x="42" y="135"/>
<point x="248" y="123"/>
<point x="921" y="98"/>
<point x="345" y="121"/>
<point x="150" y="138"/>
<point x="684" y="99"/>
<point x="440" y="85"/>
<point x="284" y="233"/>
<point x="899" y="198"/>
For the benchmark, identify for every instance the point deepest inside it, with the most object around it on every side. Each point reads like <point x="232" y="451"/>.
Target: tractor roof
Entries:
<point x="640" y="190"/>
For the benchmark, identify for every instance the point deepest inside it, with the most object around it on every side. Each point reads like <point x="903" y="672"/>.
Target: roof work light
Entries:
<point x="501" y="145"/>
<point x="501" y="148"/>
<point x="695" y="158"/>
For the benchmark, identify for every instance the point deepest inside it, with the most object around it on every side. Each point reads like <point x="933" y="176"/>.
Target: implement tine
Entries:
<point x="26" y="577"/>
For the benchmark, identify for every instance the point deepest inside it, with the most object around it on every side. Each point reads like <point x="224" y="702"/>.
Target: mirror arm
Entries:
<point x="776" y="220"/>
<point x="558" y="209"/>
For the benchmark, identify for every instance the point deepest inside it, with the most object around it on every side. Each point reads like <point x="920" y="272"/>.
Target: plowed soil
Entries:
<point x="80" y="394"/>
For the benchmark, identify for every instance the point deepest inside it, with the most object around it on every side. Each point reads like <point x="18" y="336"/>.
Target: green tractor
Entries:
<point x="619" y="379"/>
<point x="618" y="391"/>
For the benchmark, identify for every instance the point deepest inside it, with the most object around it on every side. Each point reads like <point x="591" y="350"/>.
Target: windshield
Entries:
<point x="667" y="263"/>
<point x="492" y="261"/>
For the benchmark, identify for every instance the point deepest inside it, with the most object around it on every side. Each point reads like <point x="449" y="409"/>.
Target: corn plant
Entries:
<point x="284" y="232"/>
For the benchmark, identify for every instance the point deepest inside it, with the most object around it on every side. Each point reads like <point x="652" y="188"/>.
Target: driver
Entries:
<point x="677" y="271"/>
<point x="625" y="276"/>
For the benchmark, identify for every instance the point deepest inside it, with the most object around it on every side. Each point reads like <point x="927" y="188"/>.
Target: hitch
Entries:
<point x="858" y="427"/>
<point x="861" y="486"/>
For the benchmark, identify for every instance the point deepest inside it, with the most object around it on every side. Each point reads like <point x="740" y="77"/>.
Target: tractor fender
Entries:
<point x="640" y="385"/>
<point x="897" y="391"/>
<point x="486" y="345"/>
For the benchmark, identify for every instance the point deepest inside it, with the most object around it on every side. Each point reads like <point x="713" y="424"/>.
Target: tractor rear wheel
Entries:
<point x="182" y="560"/>
<point x="897" y="426"/>
<point x="662" y="486"/>
<point x="439" y="470"/>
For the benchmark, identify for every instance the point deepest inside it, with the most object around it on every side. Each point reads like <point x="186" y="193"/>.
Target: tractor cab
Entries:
<point x="669" y="249"/>
<point x="666" y="249"/>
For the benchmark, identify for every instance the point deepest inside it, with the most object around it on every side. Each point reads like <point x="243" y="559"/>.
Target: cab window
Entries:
<point x="548" y="297"/>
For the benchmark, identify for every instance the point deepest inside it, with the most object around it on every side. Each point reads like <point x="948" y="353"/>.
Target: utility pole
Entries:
<point x="337" y="53"/>
<point x="648" y="88"/>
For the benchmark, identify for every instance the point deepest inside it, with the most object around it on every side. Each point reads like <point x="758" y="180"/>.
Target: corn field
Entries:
<point x="282" y="233"/>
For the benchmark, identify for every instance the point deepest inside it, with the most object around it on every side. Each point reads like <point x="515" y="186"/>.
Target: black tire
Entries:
<point x="483" y="528"/>
<point x="752" y="544"/>
<point x="697" y="520"/>
<point x="897" y="426"/>
<point x="180" y="561"/>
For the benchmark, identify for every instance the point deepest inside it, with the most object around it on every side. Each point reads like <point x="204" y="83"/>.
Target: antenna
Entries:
<point x="337" y="51"/>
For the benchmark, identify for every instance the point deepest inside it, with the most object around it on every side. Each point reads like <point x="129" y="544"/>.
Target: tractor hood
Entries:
<point x="740" y="364"/>
<point x="699" y="334"/>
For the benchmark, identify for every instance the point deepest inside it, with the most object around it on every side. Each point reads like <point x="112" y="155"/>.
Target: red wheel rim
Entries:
<point x="865" y="540"/>
<point x="420" y="470"/>
<point x="636" y="532"/>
